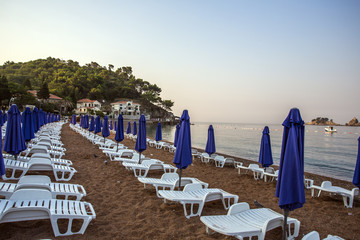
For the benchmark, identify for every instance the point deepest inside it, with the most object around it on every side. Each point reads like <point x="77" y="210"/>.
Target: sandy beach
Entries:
<point x="125" y="210"/>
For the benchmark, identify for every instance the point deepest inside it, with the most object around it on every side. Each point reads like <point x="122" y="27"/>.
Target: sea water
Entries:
<point x="328" y="154"/>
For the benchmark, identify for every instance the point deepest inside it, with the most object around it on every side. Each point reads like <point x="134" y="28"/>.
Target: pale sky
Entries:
<point x="224" y="61"/>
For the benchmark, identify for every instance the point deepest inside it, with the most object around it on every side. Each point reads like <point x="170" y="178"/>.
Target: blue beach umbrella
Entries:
<point x="111" y="125"/>
<point x="36" y="119"/>
<point x="106" y="130"/>
<point x="158" y="135"/>
<point x="128" y="130"/>
<point x="119" y="136"/>
<point x="28" y="125"/>
<point x="1" y="119"/>
<point x="265" y="157"/>
<point x="210" y="144"/>
<point x="92" y="124"/>
<point x="73" y="119"/>
<point x="140" y="145"/>
<point x="356" y="178"/>
<point x="290" y="184"/>
<point x="14" y="138"/>
<point x="97" y="125"/>
<point x="183" y="157"/>
<point x="86" y="121"/>
<point x="2" y="164"/>
<point x="176" y="134"/>
<point x="135" y="129"/>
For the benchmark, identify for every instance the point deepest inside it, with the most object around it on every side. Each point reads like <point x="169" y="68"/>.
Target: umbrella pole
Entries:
<point x="104" y="139"/>
<point x="117" y="146"/>
<point x="139" y="157"/>
<point x="286" y="214"/>
<point x="180" y="178"/>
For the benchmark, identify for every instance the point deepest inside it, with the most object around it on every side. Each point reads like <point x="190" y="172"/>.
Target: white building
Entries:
<point x="127" y="108"/>
<point x="84" y="105"/>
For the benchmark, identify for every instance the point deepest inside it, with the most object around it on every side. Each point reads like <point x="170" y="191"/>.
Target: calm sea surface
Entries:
<point x="332" y="155"/>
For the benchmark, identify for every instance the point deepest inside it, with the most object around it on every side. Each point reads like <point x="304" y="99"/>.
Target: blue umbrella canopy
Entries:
<point x="92" y="124"/>
<point x="97" y="125"/>
<point x="210" y="144"/>
<point x="183" y="157"/>
<point x="86" y="121"/>
<point x="135" y="129"/>
<point x="265" y="157"/>
<point x="158" y="135"/>
<point x="290" y="184"/>
<point x="28" y="125"/>
<point x="141" y="138"/>
<point x="119" y="136"/>
<point x="176" y="134"/>
<point x="36" y="119"/>
<point x="128" y="130"/>
<point x="1" y="119"/>
<point x="73" y="119"/>
<point x="105" y="130"/>
<point x="356" y="178"/>
<point x="2" y="164"/>
<point x="14" y="138"/>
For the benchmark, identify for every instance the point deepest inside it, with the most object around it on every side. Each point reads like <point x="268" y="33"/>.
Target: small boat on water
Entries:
<point x="330" y="129"/>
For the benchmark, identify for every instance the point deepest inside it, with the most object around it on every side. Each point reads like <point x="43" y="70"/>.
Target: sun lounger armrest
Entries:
<point x="238" y="207"/>
<point x="239" y="164"/>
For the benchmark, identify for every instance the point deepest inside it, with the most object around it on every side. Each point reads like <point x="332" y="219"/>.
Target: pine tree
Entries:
<point x="44" y="91"/>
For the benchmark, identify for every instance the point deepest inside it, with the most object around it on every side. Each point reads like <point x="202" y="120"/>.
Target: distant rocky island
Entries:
<point x="323" y="121"/>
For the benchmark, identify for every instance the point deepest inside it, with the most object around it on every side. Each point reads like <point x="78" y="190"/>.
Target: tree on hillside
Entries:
<point x="44" y="91"/>
<point x="5" y="93"/>
<point x="167" y="104"/>
<point x="27" y="84"/>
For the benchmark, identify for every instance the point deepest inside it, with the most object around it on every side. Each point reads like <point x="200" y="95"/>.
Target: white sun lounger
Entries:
<point x="169" y="181"/>
<point x="120" y="153"/>
<point x="61" y="173"/>
<point x="162" y="145"/>
<point x="258" y="172"/>
<point x="195" y="195"/>
<point x="141" y="170"/>
<point x="314" y="235"/>
<point x="271" y="174"/>
<point x="220" y="161"/>
<point x="58" y="161"/>
<point x="29" y="204"/>
<point x="57" y="190"/>
<point x="42" y="149"/>
<point x="348" y="196"/>
<point x="241" y="222"/>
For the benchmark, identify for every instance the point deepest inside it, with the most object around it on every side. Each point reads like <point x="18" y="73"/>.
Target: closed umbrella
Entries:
<point x="176" y="134"/>
<point x="2" y="164"/>
<point x="210" y="144"/>
<point x="183" y="157"/>
<point x="356" y="178"/>
<point x="135" y="129"/>
<point x="111" y="125"/>
<point x="265" y="156"/>
<point x="290" y="184"/>
<point x="14" y="137"/>
<point x="105" y="130"/>
<point x="140" y="145"/>
<point x="86" y="121"/>
<point x="158" y="135"/>
<point x="28" y="125"/>
<point x="128" y="130"/>
<point x="36" y="119"/>
<point x="97" y="125"/>
<point x="119" y="136"/>
<point x="92" y="124"/>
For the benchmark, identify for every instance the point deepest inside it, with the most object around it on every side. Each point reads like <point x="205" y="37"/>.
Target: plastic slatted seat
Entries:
<point x="29" y="204"/>
<point x="220" y="161"/>
<point x="169" y="181"/>
<point x="58" y="161"/>
<point x="43" y="182"/>
<point x="141" y="170"/>
<point x="65" y="172"/>
<point x="193" y="194"/>
<point x="314" y="235"/>
<point x="348" y="195"/>
<point x="241" y="222"/>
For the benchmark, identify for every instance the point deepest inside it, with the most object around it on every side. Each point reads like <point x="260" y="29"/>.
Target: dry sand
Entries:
<point x="125" y="210"/>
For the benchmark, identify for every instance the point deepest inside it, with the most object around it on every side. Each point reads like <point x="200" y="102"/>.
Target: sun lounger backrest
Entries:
<point x="326" y="184"/>
<point x="238" y="207"/>
<point x="314" y="235"/>
<point x="39" y="149"/>
<point x="253" y="166"/>
<point x="169" y="176"/>
<point x="192" y="187"/>
<point x="31" y="194"/>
